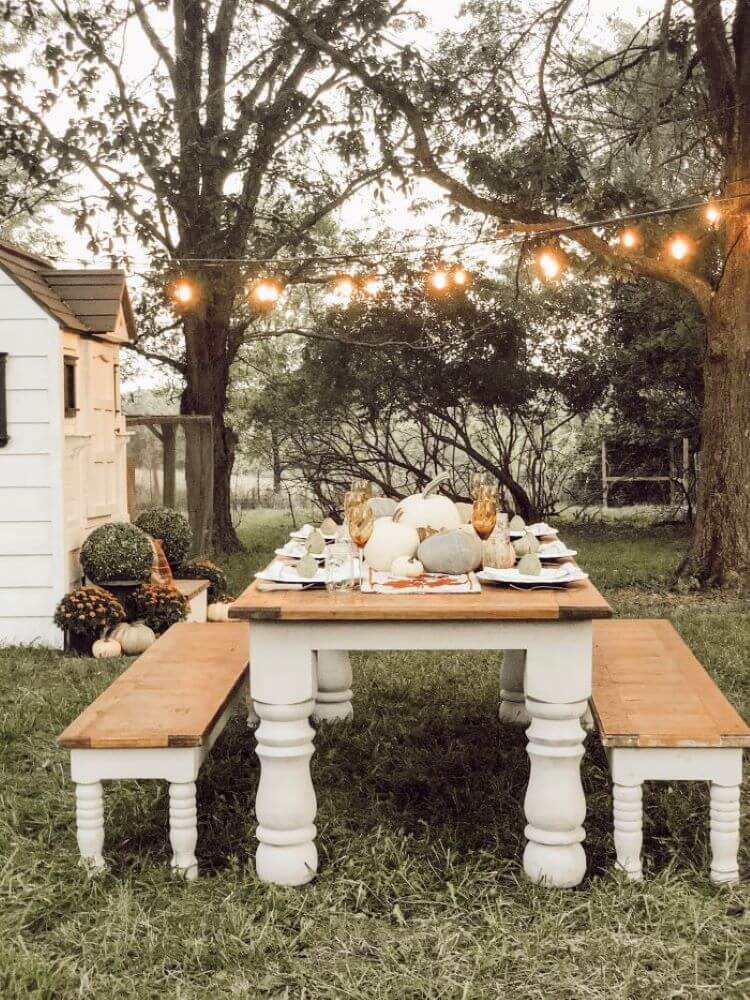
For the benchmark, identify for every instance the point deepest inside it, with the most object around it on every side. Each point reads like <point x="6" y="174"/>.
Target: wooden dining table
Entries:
<point x="290" y="629"/>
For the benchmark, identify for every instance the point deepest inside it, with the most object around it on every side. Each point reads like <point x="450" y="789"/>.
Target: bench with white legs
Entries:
<point x="661" y="718"/>
<point x="159" y="719"/>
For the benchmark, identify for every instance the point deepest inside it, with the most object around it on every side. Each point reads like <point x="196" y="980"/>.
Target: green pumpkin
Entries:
<point x="316" y="543"/>
<point x="528" y="545"/>
<point x="517" y="523"/>
<point x="530" y="565"/>
<point x="307" y="567"/>
<point x="456" y="551"/>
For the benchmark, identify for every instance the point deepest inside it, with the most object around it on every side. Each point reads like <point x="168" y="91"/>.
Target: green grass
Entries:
<point x="420" y="892"/>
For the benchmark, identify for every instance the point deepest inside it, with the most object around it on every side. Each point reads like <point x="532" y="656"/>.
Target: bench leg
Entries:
<point x="285" y="804"/>
<point x="333" y="701"/>
<point x="512" y="702"/>
<point x="183" y="828"/>
<point x="628" y="820"/>
<point x="90" y="822"/>
<point x="725" y="833"/>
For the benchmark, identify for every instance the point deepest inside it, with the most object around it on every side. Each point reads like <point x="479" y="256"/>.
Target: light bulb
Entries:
<point x="439" y="280"/>
<point x="266" y="293"/>
<point x="372" y="286"/>
<point x="680" y="248"/>
<point x="183" y="292"/>
<point x="712" y="213"/>
<point x="461" y="277"/>
<point x="629" y="238"/>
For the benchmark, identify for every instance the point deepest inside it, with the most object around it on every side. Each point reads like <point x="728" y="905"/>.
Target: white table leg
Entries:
<point x="555" y="805"/>
<point x="627" y="801"/>
<point x="90" y="822"/>
<point x="333" y="700"/>
<point x="285" y="805"/>
<point x="725" y="833"/>
<point x="512" y="702"/>
<point x="183" y="828"/>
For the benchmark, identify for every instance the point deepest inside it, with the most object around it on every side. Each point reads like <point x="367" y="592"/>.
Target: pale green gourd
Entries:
<point x="517" y="523"/>
<point x="530" y="565"/>
<point x="316" y="543"/>
<point x="307" y="567"/>
<point x="456" y="552"/>
<point x="528" y="545"/>
<point x="328" y="527"/>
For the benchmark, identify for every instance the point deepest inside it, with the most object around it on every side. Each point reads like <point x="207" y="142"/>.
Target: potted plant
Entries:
<point x="118" y="556"/>
<point x="204" y="569"/>
<point x="172" y="530"/>
<point x="86" y="614"/>
<point x="159" y="606"/>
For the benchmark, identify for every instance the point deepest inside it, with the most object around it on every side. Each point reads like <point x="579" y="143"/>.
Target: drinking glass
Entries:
<point x="484" y="514"/>
<point x="360" y="520"/>
<point x="339" y="569"/>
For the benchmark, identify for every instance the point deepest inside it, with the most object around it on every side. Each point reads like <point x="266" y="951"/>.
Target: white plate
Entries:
<point x="279" y="572"/>
<point x="305" y="531"/>
<point x="551" y="576"/>
<point x="555" y="550"/>
<point x="296" y="550"/>
<point x="540" y="530"/>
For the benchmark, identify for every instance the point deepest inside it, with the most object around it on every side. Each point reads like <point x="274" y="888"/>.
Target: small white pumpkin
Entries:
<point x="382" y="506"/>
<point x="218" y="612"/>
<point x="390" y="539"/>
<point x="404" y="566"/>
<point x="424" y="510"/>
<point x="454" y="552"/>
<point x="134" y="637"/>
<point x="104" y="648"/>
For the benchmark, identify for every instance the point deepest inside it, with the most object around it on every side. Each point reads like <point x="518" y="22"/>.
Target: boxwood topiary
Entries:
<point x="204" y="569"/>
<point x="117" y="551"/>
<point x="171" y="528"/>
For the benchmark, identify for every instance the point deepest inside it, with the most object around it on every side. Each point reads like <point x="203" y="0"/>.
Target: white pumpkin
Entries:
<point x="390" y="538"/>
<point x="103" y="649"/>
<point x="425" y="510"/>
<point x="404" y="566"/>
<point x="454" y="551"/>
<point x="218" y="612"/>
<point x="135" y="637"/>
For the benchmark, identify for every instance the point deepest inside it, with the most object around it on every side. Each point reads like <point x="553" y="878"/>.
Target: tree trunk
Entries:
<point x="720" y="554"/>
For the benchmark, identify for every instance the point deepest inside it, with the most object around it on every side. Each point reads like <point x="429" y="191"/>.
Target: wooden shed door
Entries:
<point x="101" y="488"/>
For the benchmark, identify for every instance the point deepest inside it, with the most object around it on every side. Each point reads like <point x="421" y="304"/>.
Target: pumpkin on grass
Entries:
<point x="134" y="637"/>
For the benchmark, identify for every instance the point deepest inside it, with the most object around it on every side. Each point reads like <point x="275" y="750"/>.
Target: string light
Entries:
<point x="461" y="278"/>
<point x="712" y="213"/>
<point x="439" y="280"/>
<point x="265" y="293"/>
<point x="629" y="238"/>
<point x="550" y="263"/>
<point x="343" y="288"/>
<point x="183" y="293"/>
<point x="680" y="247"/>
<point x="372" y="286"/>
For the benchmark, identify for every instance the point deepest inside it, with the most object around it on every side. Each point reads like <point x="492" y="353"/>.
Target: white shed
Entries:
<point x="62" y="434"/>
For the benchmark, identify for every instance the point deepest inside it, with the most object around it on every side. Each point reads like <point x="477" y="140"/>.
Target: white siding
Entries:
<point x="32" y="576"/>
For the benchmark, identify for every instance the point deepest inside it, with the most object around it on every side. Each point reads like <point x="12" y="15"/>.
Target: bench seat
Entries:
<point x="661" y="717"/>
<point x="159" y="719"/>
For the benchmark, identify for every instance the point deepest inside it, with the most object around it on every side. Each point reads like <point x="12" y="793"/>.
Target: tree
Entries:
<point x="543" y="164"/>
<point x="215" y="134"/>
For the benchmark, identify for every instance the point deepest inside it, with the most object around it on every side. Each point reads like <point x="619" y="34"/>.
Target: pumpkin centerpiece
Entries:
<point x="456" y="552"/>
<point x="391" y="537"/>
<point x="429" y="510"/>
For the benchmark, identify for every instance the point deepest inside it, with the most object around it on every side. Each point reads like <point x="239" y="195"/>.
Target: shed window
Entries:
<point x="3" y="403"/>
<point x="71" y="404"/>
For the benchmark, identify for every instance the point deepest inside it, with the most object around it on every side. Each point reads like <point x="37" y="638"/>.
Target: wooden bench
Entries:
<point x="662" y="718"/>
<point x="159" y="719"/>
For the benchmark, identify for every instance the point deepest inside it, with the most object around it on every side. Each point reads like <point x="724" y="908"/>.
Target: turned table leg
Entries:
<point x="512" y="702"/>
<point x="725" y="833"/>
<point x="183" y="828"/>
<point x="555" y="805"/>
<point x="627" y="803"/>
<point x="285" y="804"/>
<point x="333" y="700"/>
<point x="90" y="822"/>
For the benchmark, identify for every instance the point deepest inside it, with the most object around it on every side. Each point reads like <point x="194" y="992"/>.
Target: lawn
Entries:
<point x="420" y="892"/>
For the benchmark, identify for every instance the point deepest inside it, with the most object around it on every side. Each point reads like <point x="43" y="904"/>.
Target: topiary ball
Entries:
<point x="117" y="551"/>
<point x="171" y="528"/>
<point x="204" y="569"/>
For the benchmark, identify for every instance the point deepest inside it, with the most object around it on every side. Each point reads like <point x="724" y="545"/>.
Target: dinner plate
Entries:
<point x="303" y="533"/>
<point x="555" y="550"/>
<point x="540" y="530"/>
<point x="551" y="576"/>
<point x="280" y="572"/>
<point x="296" y="550"/>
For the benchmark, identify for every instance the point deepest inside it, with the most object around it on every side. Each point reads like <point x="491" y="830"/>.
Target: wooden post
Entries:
<point x="685" y="466"/>
<point x="130" y="488"/>
<point x="605" y="485"/>
<point x="672" y="472"/>
<point x="169" y="458"/>
<point x="207" y="480"/>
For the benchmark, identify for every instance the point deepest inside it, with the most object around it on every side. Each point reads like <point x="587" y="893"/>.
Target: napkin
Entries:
<point x="386" y="583"/>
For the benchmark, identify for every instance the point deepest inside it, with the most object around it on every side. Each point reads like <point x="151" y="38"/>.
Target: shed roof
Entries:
<point x="85" y="300"/>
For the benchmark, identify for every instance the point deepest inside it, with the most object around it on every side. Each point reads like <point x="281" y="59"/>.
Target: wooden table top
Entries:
<point x="578" y="602"/>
